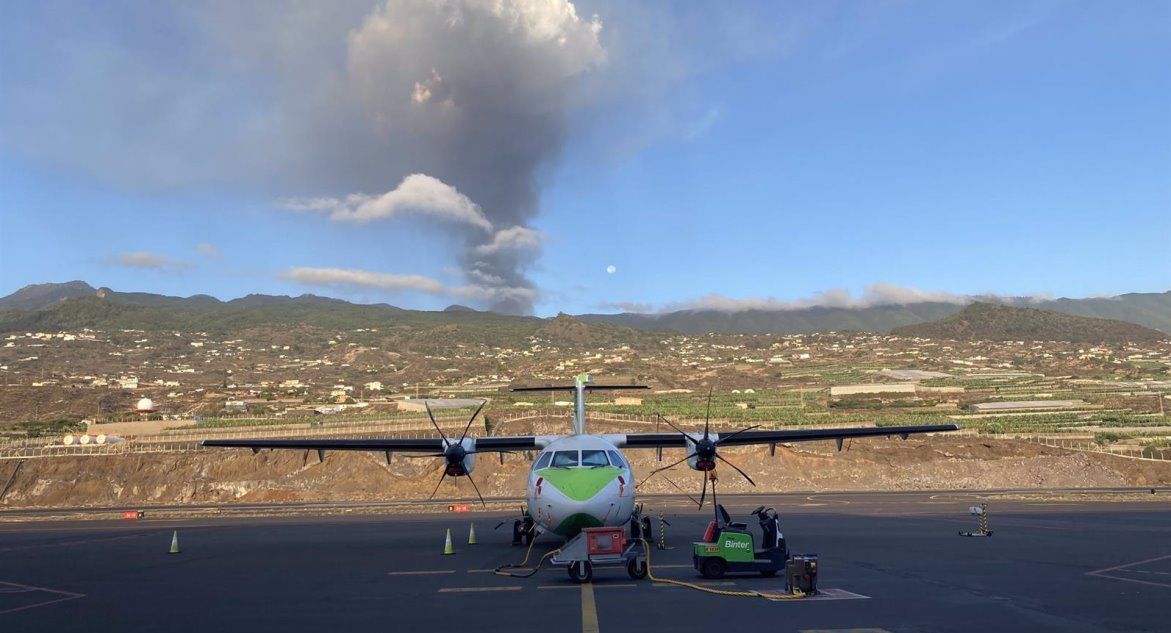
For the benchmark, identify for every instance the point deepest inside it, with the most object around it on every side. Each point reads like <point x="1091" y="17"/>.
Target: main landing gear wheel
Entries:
<point x="581" y="571"/>
<point x="636" y="568"/>
<point x="713" y="568"/>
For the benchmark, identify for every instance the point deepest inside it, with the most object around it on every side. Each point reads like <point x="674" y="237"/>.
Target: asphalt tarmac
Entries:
<point x="889" y="561"/>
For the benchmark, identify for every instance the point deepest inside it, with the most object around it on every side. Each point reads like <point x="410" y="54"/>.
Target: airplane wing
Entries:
<point x="670" y="440"/>
<point x="387" y="445"/>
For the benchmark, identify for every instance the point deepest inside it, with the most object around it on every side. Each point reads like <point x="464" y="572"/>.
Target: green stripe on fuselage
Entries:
<point x="580" y="484"/>
<point x="572" y="524"/>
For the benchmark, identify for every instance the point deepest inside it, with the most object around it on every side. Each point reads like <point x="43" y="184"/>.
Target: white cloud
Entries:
<point x="627" y="306"/>
<point x="515" y="239"/>
<point x="417" y="194"/>
<point x="149" y="261"/>
<point x="391" y="282"/>
<point x="873" y="295"/>
<point x="207" y="249"/>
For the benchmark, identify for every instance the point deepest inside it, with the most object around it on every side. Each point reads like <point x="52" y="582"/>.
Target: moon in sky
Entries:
<point x="611" y="269"/>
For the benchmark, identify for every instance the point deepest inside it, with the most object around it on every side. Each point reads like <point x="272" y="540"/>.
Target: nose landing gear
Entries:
<point x="523" y="530"/>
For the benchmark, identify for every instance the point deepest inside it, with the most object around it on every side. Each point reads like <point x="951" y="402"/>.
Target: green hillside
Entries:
<point x="993" y="322"/>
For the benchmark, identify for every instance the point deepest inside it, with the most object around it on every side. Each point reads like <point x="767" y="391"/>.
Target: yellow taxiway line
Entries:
<point x="589" y="610"/>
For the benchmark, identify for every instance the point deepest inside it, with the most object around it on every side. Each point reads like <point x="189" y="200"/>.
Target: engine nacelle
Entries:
<point x="703" y="452"/>
<point x="461" y="457"/>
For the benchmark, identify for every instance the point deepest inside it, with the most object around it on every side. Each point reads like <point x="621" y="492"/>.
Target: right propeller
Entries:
<point x="705" y="450"/>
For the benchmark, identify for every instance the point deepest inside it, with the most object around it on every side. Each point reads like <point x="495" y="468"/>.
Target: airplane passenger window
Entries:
<point x="594" y="458"/>
<point x="616" y="459"/>
<point x="564" y="459"/>
<point x="543" y="461"/>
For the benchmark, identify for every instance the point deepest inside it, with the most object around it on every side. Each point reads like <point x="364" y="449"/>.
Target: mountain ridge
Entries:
<point x="996" y="322"/>
<point x="1152" y="310"/>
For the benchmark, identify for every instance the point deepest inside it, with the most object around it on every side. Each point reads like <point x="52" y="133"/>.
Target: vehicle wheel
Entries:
<point x="646" y="530"/>
<point x="581" y="571"/>
<point x="636" y="568"/>
<point x="769" y="573"/>
<point x="713" y="567"/>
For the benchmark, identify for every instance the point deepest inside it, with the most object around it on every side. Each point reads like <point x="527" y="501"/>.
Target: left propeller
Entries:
<point x="455" y="453"/>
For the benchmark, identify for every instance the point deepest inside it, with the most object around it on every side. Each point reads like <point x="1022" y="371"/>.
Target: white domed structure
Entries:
<point x="145" y="406"/>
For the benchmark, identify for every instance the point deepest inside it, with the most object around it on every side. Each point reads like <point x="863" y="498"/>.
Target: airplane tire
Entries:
<point x="713" y="567"/>
<point x="581" y="571"/>
<point x="636" y="568"/>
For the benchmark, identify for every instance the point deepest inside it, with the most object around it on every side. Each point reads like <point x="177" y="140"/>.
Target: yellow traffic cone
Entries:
<point x="175" y="542"/>
<point x="447" y="548"/>
<point x="472" y="535"/>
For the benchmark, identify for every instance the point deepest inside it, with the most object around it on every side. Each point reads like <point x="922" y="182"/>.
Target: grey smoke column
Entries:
<point x="476" y="94"/>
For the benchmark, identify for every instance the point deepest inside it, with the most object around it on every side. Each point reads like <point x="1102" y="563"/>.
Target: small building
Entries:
<point x="838" y="391"/>
<point x="419" y="405"/>
<point x="1025" y="405"/>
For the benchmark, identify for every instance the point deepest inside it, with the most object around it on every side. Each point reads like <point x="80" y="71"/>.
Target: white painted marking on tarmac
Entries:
<point x="420" y="572"/>
<point x="481" y="571"/>
<point x="478" y="589"/>
<point x="1104" y="573"/>
<point x="13" y="587"/>
<point x="844" y="631"/>
<point x="705" y="583"/>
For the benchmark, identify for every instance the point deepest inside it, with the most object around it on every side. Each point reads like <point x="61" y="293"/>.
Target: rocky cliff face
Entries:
<point x="237" y="476"/>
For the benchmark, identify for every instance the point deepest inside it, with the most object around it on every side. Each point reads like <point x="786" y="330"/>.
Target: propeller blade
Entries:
<point x="703" y="495"/>
<point x="747" y="428"/>
<point x="707" y="420"/>
<point x="736" y="468"/>
<point x="441" y="478"/>
<point x="659" y="470"/>
<point x="472" y="419"/>
<point x="435" y="424"/>
<point x="681" y="431"/>
<point x="477" y="489"/>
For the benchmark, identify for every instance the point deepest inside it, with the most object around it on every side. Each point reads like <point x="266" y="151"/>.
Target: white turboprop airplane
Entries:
<point x="578" y="480"/>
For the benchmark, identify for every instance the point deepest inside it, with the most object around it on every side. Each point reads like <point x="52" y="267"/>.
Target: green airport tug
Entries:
<point x="730" y="548"/>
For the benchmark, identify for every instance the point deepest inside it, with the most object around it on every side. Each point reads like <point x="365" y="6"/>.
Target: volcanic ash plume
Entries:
<point x="475" y="94"/>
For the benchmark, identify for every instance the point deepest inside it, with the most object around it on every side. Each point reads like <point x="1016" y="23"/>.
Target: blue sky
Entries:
<point x="750" y="152"/>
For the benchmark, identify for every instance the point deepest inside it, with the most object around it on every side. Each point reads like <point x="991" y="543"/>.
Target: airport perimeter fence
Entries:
<point x="188" y="440"/>
<point x="1128" y="451"/>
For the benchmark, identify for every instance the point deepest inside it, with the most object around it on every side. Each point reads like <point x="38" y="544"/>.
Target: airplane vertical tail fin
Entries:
<point x="581" y="384"/>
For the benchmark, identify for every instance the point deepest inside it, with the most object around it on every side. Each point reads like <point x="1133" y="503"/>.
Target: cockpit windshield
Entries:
<point x="594" y="458"/>
<point x="564" y="459"/>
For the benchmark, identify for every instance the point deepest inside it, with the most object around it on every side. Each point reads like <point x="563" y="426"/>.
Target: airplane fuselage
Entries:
<point x="580" y="481"/>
